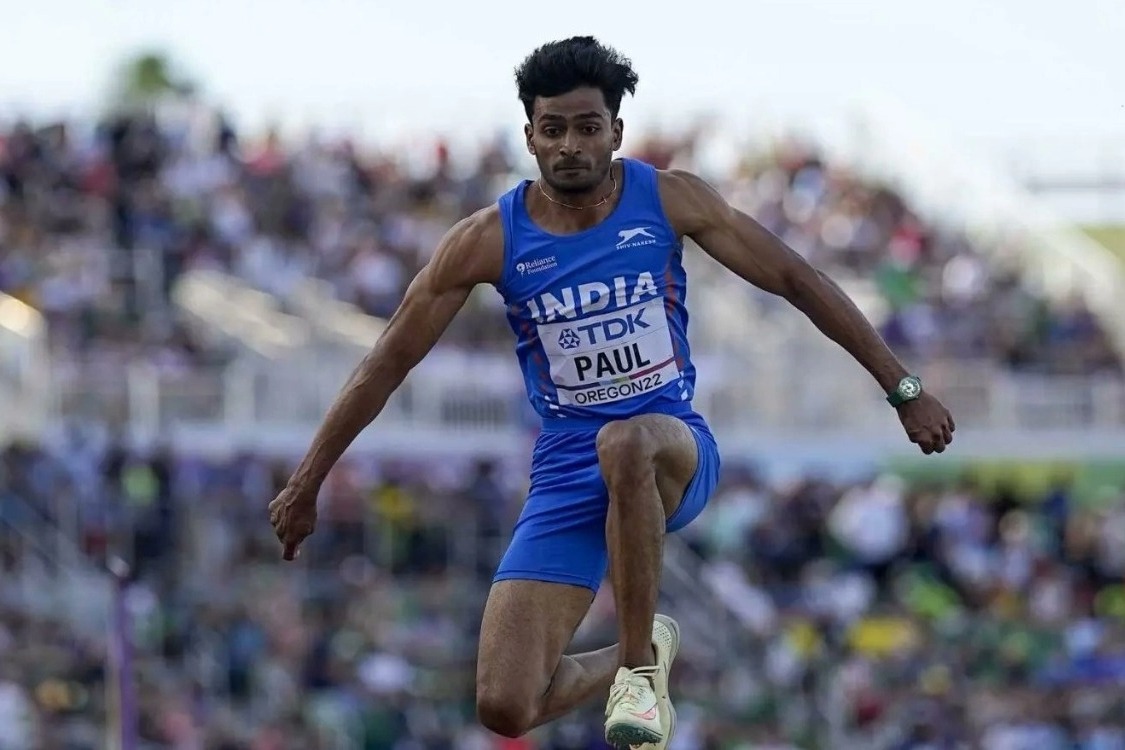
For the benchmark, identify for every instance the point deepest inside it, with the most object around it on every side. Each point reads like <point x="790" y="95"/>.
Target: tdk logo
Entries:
<point x="568" y="339"/>
<point x="605" y="331"/>
<point x="635" y="237"/>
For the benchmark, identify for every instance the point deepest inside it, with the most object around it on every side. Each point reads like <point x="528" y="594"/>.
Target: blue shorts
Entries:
<point x="560" y="535"/>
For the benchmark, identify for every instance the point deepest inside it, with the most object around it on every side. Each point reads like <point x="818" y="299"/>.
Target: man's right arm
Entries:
<point x="471" y="253"/>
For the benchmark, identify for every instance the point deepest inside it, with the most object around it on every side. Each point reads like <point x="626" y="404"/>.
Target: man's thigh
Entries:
<point x="527" y="626"/>
<point x="560" y="535"/>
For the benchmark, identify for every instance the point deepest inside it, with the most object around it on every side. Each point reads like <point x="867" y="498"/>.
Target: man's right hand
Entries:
<point x="293" y="517"/>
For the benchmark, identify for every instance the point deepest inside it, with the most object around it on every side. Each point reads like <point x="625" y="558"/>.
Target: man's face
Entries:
<point x="573" y="137"/>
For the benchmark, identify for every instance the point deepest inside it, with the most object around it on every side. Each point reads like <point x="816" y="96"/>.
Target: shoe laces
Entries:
<point x="629" y="688"/>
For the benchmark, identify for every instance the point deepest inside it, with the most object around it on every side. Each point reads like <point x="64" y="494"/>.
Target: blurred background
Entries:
<point x="208" y="209"/>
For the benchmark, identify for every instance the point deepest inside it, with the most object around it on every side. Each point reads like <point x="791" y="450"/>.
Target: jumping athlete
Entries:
<point x="588" y="260"/>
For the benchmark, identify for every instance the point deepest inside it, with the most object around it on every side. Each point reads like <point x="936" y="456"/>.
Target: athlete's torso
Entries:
<point x="599" y="315"/>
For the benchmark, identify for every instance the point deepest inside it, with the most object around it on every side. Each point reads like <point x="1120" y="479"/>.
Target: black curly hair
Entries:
<point x="560" y="67"/>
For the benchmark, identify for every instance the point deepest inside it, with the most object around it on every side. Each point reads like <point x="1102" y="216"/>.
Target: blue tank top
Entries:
<point x="599" y="315"/>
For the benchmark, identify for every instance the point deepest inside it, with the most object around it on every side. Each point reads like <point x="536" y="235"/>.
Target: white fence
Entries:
<point x="474" y="403"/>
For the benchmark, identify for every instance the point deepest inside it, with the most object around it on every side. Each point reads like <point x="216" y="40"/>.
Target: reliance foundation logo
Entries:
<point x="537" y="265"/>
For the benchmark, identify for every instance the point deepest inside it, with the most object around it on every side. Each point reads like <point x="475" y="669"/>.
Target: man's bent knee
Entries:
<point x="505" y="711"/>
<point x="624" y="443"/>
<point x="634" y="452"/>
<point x="525" y="629"/>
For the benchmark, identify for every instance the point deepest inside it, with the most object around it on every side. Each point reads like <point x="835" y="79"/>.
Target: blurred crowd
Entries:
<point x="98" y="222"/>
<point x="865" y="615"/>
<point x="872" y="615"/>
<point x="946" y="296"/>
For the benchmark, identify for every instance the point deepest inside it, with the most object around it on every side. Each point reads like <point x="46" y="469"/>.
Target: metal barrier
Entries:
<point x="226" y="309"/>
<point x="764" y="377"/>
<point x="475" y="402"/>
<point x="23" y="368"/>
<point x="334" y="320"/>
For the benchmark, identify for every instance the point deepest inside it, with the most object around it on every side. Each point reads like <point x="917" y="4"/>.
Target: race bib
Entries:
<point x="610" y="357"/>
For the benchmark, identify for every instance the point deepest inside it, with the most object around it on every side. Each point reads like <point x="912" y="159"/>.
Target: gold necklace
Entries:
<point x="602" y="202"/>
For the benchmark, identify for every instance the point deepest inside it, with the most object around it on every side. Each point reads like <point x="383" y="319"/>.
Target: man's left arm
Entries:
<point x="744" y="246"/>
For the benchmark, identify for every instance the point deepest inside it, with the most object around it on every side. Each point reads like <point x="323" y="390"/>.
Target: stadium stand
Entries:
<point x="208" y="266"/>
<point x="866" y="613"/>
<point x="100" y="223"/>
<point x="187" y="275"/>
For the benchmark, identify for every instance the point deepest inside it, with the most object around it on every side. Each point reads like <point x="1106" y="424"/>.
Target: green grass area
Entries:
<point x="1029" y="480"/>
<point x="1111" y="236"/>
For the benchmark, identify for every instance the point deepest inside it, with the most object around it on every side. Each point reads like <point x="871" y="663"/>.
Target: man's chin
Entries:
<point x="576" y="183"/>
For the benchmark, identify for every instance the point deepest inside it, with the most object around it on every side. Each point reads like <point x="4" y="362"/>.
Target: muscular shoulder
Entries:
<point x="472" y="251"/>
<point x="690" y="202"/>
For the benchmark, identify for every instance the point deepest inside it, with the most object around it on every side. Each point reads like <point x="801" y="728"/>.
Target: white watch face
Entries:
<point x="909" y="388"/>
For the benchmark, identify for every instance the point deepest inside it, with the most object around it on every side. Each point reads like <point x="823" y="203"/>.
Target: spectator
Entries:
<point x="97" y="224"/>
<point x="868" y="614"/>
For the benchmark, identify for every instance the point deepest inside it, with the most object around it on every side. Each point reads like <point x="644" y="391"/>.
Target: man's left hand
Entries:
<point x="927" y="423"/>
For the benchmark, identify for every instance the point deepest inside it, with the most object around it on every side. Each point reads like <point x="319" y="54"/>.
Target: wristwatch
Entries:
<point x="908" y="389"/>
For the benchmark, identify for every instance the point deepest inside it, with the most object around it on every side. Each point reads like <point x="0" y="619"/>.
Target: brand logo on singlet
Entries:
<point x="607" y="357"/>
<point x="568" y="339"/>
<point x="636" y="237"/>
<point x="535" y="266"/>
